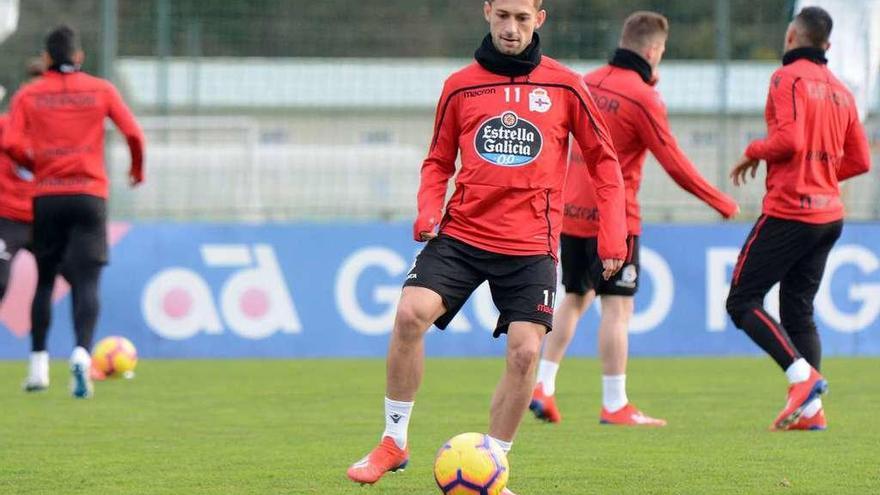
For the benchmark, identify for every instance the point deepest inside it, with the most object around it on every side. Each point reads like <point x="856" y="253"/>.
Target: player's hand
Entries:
<point x="733" y="215"/>
<point x="424" y="227"/>
<point x="610" y="267"/>
<point x="135" y="180"/>
<point x="744" y="166"/>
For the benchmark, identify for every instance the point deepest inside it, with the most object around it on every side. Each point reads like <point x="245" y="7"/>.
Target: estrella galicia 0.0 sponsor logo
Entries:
<point x="508" y="140"/>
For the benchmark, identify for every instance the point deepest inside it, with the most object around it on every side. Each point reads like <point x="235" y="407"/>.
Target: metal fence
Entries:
<point x="296" y="109"/>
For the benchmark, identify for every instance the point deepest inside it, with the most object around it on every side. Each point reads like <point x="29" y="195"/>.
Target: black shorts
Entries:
<point x="523" y="287"/>
<point x="72" y="229"/>
<point x="582" y="268"/>
<point x="13" y="237"/>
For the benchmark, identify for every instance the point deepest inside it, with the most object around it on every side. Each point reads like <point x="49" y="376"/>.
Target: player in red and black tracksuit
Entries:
<point x="636" y="116"/>
<point x="815" y="140"/>
<point x="57" y="129"/>
<point x="509" y="116"/>
<point x="16" y="214"/>
<point x="16" y="198"/>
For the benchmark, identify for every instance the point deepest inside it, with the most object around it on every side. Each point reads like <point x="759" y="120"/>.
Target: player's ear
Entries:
<point x="542" y="16"/>
<point x="79" y="57"/>
<point x="487" y="10"/>
<point x="47" y="60"/>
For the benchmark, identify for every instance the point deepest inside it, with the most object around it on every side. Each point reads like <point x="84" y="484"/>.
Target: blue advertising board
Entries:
<point x="193" y="290"/>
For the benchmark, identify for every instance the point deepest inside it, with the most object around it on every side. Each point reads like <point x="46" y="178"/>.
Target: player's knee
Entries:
<point x="522" y="359"/>
<point x="580" y="302"/>
<point x="410" y="323"/>
<point x="738" y="308"/>
<point x="617" y="308"/>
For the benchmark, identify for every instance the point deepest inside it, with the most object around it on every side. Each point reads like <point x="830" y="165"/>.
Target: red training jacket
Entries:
<point x="513" y="135"/>
<point x="16" y="188"/>
<point x="815" y="140"/>
<point x="57" y="129"/>
<point x="638" y="122"/>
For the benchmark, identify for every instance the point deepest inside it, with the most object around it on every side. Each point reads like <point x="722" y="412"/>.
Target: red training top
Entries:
<point x="57" y="129"/>
<point x="513" y="135"/>
<point x="16" y="186"/>
<point x="638" y="122"/>
<point x="815" y="140"/>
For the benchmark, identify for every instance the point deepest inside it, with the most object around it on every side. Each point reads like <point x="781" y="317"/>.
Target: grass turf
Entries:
<point x="293" y="427"/>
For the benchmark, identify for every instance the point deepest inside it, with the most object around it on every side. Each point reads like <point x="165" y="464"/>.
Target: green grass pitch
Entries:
<point x="292" y="427"/>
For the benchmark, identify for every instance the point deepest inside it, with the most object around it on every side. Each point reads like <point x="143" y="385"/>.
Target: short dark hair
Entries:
<point x="815" y="24"/>
<point x="538" y="3"/>
<point x="61" y="44"/>
<point x="643" y="27"/>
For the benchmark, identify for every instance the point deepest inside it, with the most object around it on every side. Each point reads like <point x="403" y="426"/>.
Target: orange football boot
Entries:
<point x="387" y="456"/>
<point x="544" y="406"/>
<point x="799" y="395"/>
<point x="816" y="423"/>
<point x="629" y="415"/>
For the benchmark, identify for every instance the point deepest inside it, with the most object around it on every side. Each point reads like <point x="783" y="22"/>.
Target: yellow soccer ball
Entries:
<point x="471" y="464"/>
<point x="114" y="356"/>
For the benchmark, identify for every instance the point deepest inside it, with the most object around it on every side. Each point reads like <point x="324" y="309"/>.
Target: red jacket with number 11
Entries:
<point x="513" y="137"/>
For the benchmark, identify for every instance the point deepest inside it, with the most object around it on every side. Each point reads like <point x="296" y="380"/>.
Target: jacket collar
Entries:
<point x="509" y="65"/>
<point x="814" y="55"/>
<point x="628" y="59"/>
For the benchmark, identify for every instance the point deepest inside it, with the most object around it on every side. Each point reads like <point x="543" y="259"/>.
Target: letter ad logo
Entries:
<point x="508" y="140"/>
<point x="539" y="100"/>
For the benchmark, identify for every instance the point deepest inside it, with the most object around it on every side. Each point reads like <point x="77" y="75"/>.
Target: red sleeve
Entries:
<point x="439" y="166"/>
<point x="856" y="153"/>
<point x="121" y="115"/>
<point x="664" y="147"/>
<point x="787" y="136"/>
<point x="594" y="140"/>
<point x="15" y="141"/>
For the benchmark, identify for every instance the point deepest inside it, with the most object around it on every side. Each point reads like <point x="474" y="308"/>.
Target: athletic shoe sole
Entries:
<point x="819" y="388"/>
<point x="81" y="387"/>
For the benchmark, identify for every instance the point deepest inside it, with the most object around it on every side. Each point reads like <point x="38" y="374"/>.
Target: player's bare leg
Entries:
<point x="515" y="389"/>
<point x="613" y="333"/>
<point x="417" y="310"/>
<point x="565" y="320"/>
<point x="617" y="312"/>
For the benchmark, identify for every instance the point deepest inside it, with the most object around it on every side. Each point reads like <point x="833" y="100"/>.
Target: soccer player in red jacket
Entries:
<point x="16" y="208"/>
<point x="815" y="140"/>
<point x="57" y="129"/>
<point x="509" y="115"/>
<point x="16" y="214"/>
<point x="636" y="117"/>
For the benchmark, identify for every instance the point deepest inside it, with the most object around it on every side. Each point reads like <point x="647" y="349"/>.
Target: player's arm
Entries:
<point x="121" y="115"/>
<point x="15" y="141"/>
<point x="856" y="153"/>
<point x="437" y="168"/>
<point x="594" y="140"/>
<point x="789" y="104"/>
<point x="661" y="142"/>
